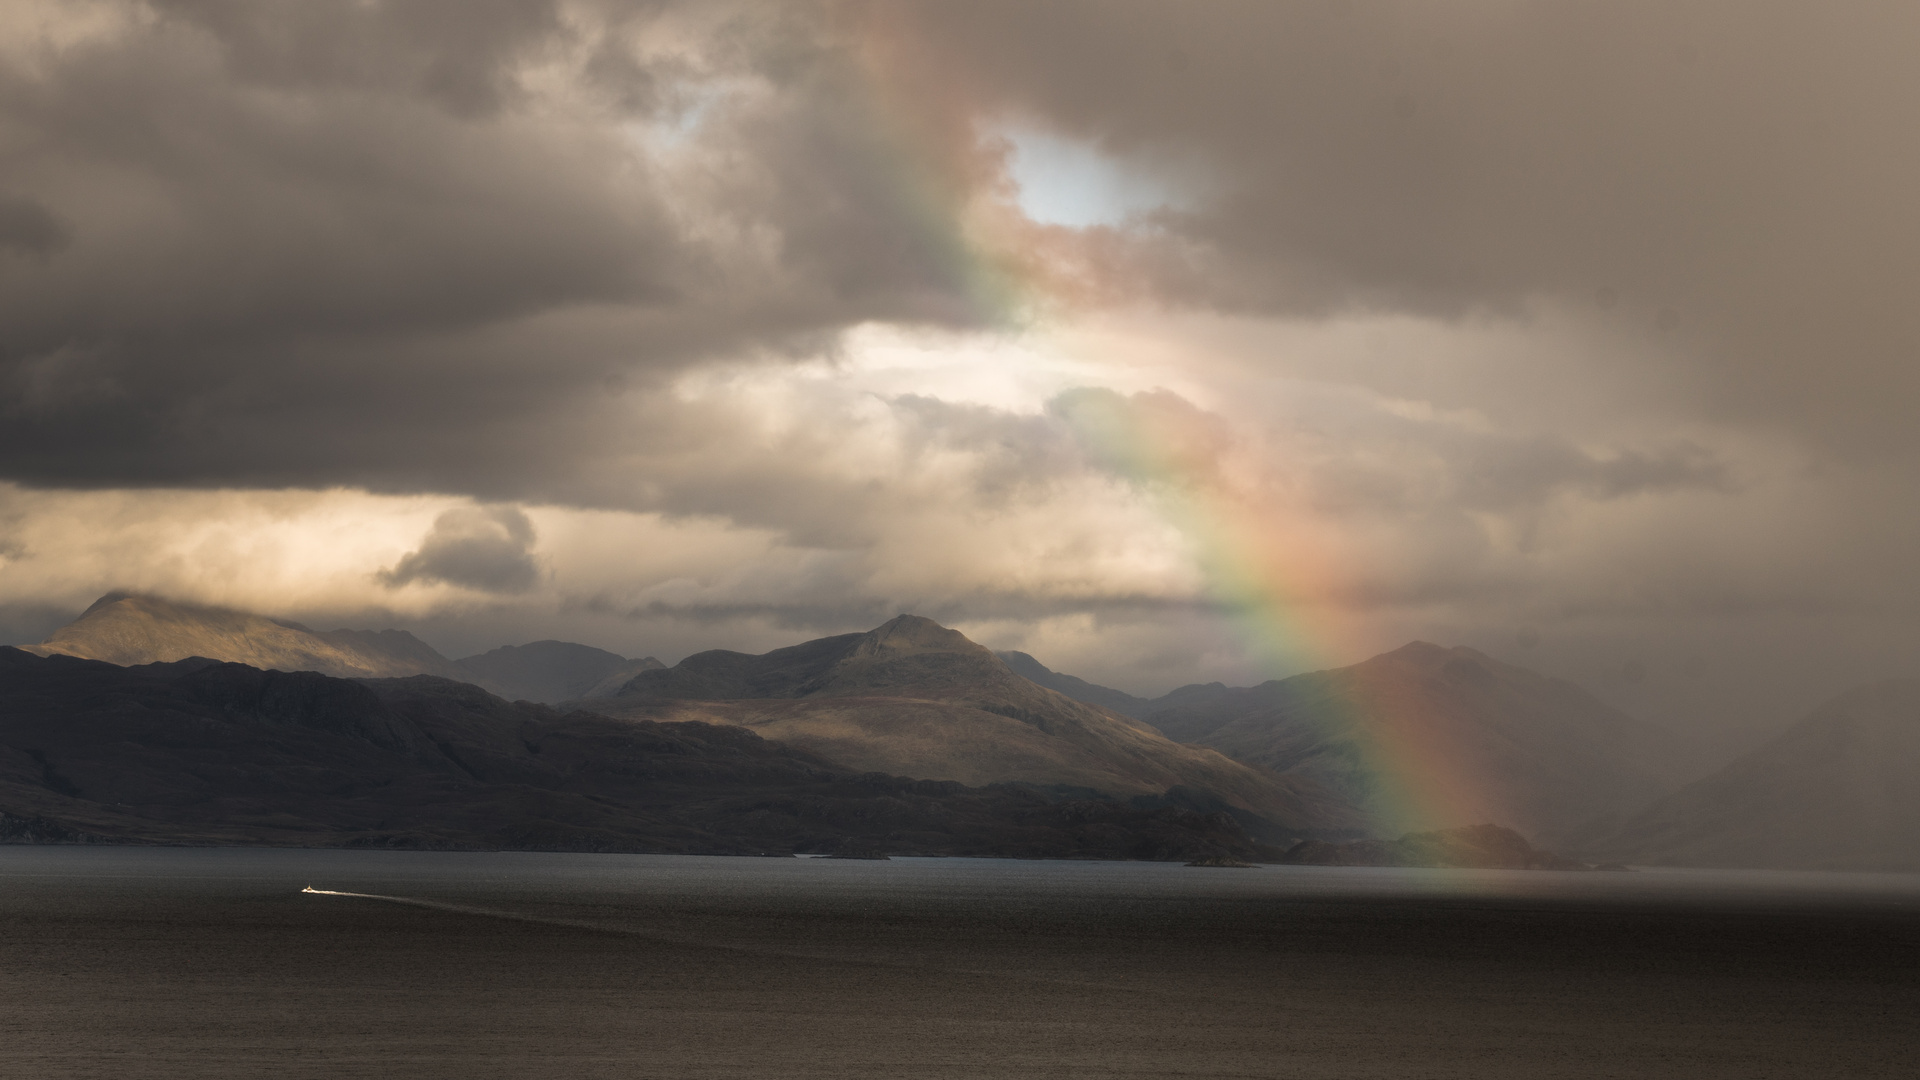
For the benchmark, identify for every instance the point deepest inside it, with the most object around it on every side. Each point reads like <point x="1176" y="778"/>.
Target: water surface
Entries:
<point x="213" y="962"/>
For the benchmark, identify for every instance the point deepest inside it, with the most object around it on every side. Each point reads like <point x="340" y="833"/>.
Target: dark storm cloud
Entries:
<point x="484" y="548"/>
<point x="414" y="245"/>
<point x="457" y="54"/>
<point x="372" y="244"/>
<point x="1736" y="176"/>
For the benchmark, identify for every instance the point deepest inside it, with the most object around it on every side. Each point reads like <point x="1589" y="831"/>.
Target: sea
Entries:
<point x="240" y="962"/>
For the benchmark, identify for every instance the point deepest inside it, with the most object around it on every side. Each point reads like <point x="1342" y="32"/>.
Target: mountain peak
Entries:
<point x="914" y="698"/>
<point x="913" y="634"/>
<point x="108" y="600"/>
<point x="1422" y="650"/>
<point x="148" y="603"/>
<point x="129" y="628"/>
<point x="1427" y="656"/>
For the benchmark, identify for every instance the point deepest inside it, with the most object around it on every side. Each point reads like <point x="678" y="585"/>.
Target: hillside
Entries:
<point x="1840" y="790"/>
<point x="1025" y="666"/>
<point x="127" y="629"/>
<point x="914" y="698"/>
<point x="200" y="752"/>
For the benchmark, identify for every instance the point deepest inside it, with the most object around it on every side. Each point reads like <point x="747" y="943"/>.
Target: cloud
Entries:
<point x="460" y="56"/>
<point x="383" y="245"/>
<point x="29" y="228"/>
<point x="1730" y="174"/>
<point x="449" y="237"/>
<point x="489" y="549"/>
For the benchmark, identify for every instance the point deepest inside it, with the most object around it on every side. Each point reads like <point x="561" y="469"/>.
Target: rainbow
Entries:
<point x="1290" y="590"/>
<point x="921" y="152"/>
<point x="1289" y="584"/>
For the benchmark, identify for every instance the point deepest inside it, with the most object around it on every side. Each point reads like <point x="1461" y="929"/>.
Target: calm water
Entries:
<point x="213" y="962"/>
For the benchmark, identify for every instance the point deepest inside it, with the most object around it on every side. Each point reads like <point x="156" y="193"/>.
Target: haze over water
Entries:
<point x="212" y="962"/>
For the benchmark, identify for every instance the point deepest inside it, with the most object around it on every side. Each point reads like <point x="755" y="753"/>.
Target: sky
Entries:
<point x="1166" y="342"/>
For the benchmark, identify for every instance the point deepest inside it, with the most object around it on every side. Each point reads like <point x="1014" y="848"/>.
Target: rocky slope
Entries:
<point x="201" y="752"/>
<point x="1840" y="790"/>
<point x="914" y="698"/>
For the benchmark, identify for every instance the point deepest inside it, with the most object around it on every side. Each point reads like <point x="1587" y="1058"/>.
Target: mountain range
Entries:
<point x="914" y="698"/>
<point x="1424" y="737"/>
<point x="1840" y="790"/>
<point x="128" y="628"/>
<point x="1427" y="737"/>
<point x="203" y="752"/>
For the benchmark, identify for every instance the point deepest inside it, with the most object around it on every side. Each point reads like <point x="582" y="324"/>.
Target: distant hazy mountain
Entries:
<point x="1025" y="666"/>
<point x="1450" y="726"/>
<point x="1840" y="790"/>
<point x="201" y="752"/>
<point x="1432" y="737"/>
<point x="553" y="671"/>
<point x="914" y="698"/>
<point x="127" y="629"/>
<point x="1193" y="712"/>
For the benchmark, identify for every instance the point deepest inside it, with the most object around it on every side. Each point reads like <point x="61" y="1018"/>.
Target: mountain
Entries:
<point x="553" y="671"/>
<point x="914" y="698"/>
<point x="1320" y="754"/>
<point x="1192" y="712"/>
<point x="1184" y="714"/>
<point x="126" y="629"/>
<point x="1187" y="699"/>
<point x="202" y="752"/>
<point x="1429" y="737"/>
<point x="1025" y="666"/>
<point x="1840" y="790"/>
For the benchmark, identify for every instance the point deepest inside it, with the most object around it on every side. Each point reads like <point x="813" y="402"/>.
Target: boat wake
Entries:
<point x="683" y="940"/>
<point x="480" y="912"/>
